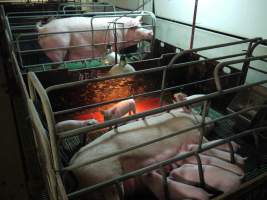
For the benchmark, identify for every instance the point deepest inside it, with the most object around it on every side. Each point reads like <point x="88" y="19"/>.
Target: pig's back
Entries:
<point x="141" y="131"/>
<point x="78" y="23"/>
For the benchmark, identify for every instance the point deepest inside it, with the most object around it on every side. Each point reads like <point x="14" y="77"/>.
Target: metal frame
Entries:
<point x="49" y="146"/>
<point x="20" y="38"/>
<point x="36" y="88"/>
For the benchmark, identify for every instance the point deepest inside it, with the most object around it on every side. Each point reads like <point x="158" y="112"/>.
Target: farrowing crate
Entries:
<point x="220" y="90"/>
<point x="21" y="28"/>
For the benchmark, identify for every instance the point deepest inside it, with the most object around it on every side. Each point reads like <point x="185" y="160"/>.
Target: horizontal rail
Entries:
<point x="147" y="60"/>
<point x="223" y="64"/>
<point x="156" y="110"/>
<point x="72" y="47"/>
<point x="77" y="83"/>
<point x="199" y="125"/>
<point x="163" y="163"/>
<point x="139" y="95"/>
<point x="106" y="14"/>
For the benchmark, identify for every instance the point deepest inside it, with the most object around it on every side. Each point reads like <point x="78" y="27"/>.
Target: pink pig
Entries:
<point x="215" y="177"/>
<point x="219" y="154"/>
<point x="120" y="109"/>
<point x="132" y="35"/>
<point x="73" y="124"/>
<point x="177" y="190"/>
<point x="213" y="161"/>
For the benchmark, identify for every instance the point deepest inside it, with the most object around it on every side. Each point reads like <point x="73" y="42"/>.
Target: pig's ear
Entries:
<point x="133" y="23"/>
<point x="139" y="19"/>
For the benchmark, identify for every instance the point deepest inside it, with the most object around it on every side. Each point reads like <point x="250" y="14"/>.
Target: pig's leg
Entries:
<point x="55" y="41"/>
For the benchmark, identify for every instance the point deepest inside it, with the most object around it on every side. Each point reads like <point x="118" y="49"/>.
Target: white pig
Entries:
<point x="215" y="177"/>
<point x="73" y="124"/>
<point x="176" y="189"/>
<point x="219" y="154"/>
<point x="225" y="147"/>
<point x="120" y="109"/>
<point x="179" y="97"/>
<point x="209" y="160"/>
<point x="129" y="135"/>
<point x="133" y="34"/>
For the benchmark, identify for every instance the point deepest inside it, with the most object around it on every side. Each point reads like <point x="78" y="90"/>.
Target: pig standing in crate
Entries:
<point x="90" y="39"/>
<point x="120" y="109"/>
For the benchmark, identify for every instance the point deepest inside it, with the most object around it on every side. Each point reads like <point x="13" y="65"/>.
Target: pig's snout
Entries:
<point x="150" y="34"/>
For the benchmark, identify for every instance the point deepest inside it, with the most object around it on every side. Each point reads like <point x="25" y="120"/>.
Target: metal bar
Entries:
<point x="82" y="82"/>
<point x="170" y="65"/>
<point x="203" y="127"/>
<point x="160" y="138"/>
<point x="77" y="31"/>
<point x="258" y="70"/>
<point x="164" y="73"/>
<point x="209" y="47"/>
<point x="157" y="110"/>
<point x="244" y="188"/>
<point x="162" y="163"/>
<point x="193" y="25"/>
<point x="245" y="65"/>
<point x="61" y="112"/>
<point x="35" y="86"/>
<point x="69" y="47"/>
<point x="223" y="64"/>
<point x="88" y="59"/>
<point x="105" y="14"/>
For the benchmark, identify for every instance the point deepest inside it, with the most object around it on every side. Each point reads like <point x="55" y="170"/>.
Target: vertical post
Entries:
<point x="193" y="25"/>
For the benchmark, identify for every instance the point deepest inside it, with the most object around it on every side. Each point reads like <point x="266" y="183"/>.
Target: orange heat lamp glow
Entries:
<point x="141" y="106"/>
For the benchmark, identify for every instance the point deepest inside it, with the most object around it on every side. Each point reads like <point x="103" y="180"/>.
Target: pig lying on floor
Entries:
<point x="129" y="135"/>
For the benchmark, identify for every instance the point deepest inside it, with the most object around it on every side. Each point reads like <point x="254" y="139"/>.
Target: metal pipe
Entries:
<point x="245" y="65"/>
<point x="170" y="65"/>
<point x="157" y="110"/>
<point x="35" y="86"/>
<point x="154" y="59"/>
<point x="61" y="112"/>
<point x="193" y="25"/>
<point x="105" y="14"/>
<point x="197" y="126"/>
<point x="223" y="64"/>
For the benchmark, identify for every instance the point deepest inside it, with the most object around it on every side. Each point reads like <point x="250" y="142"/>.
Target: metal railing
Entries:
<point x="23" y="38"/>
<point x="36" y="86"/>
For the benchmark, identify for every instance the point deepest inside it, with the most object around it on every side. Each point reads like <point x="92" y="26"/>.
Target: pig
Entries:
<point x="132" y="35"/>
<point x="128" y="135"/>
<point x="215" y="177"/>
<point x="225" y="147"/>
<point x="73" y="124"/>
<point x="176" y="189"/>
<point x="179" y="97"/>
<point x="213" y="161"/>
<point x="120" y="109"/>
<point x="219" y="154"/>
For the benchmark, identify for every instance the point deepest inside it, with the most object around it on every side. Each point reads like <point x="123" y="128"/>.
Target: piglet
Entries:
<point x="215" y="177"/>
<point x="176" y="190"/>
<point x="219" y="154"/>
<point x="120" y="109"/>
<point x="225" y="147"/>
<point x="213" y="161"/>
<point x="73" y="124"/>
<point x="179" y="97"/>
